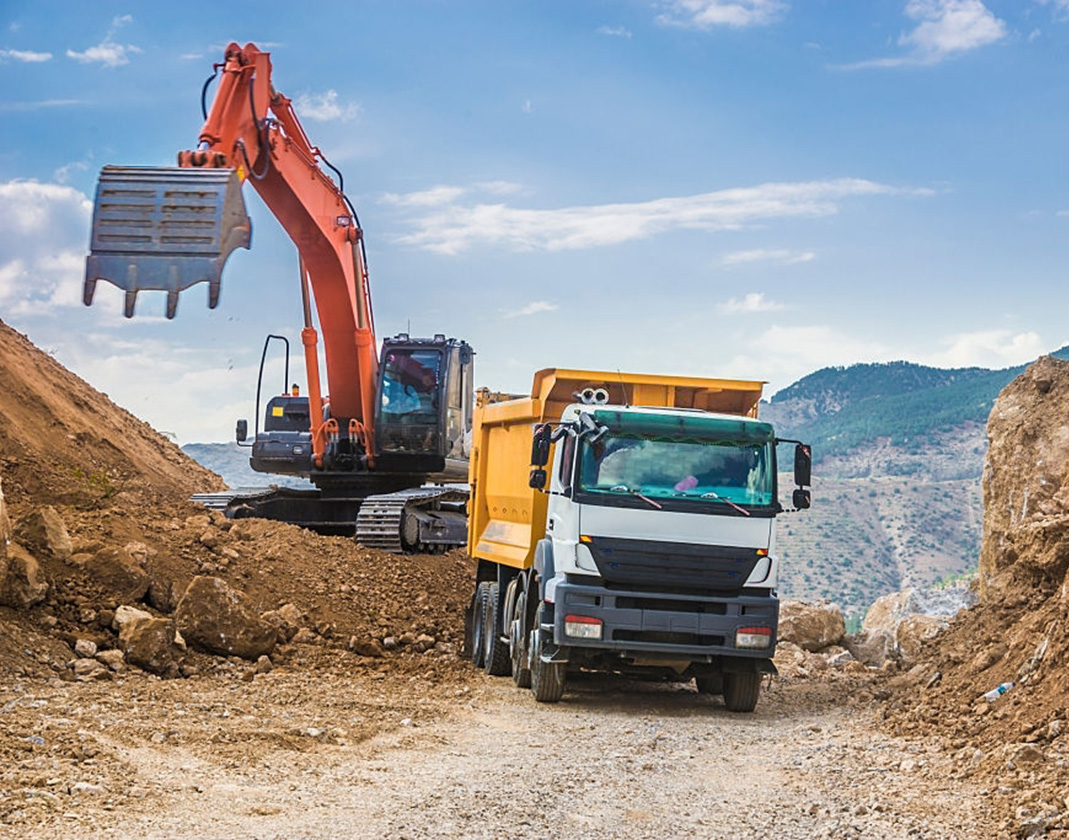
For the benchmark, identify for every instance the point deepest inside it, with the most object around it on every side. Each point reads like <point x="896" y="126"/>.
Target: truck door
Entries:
<point x="562" y="516"/>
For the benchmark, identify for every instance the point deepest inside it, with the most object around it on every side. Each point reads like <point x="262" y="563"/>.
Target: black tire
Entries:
<point x="547" y="678"/>
<point x="710" y="684"/>
<point x="478" y="604"/>
<point x="741" y="691"/>
<point x="495" y="651"/>
<point x="521" y="672"/>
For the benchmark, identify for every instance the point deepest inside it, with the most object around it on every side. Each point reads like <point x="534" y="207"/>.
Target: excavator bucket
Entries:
<point x="164" y="228"/>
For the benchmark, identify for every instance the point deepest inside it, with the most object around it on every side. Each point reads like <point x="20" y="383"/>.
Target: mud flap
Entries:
<point x="166" y="229"/>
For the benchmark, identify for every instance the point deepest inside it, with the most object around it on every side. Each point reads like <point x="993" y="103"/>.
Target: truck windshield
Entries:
<point x="711" y="470"/>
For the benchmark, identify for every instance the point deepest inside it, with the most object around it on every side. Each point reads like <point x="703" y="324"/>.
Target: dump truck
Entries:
<point x="625" y="523"/>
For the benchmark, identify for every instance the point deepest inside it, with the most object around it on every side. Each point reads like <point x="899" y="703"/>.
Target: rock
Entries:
<point x="118" y="574"/>
<point x="139" y="552"/>
<point x="161" y="595"/>
<point x="43" y="531"/>
<point x="22" y="583"/>
<point x="1026" y="485"/>
<point x="114" y="659"/>
<point x="1025" y="754"/>
<point x="424" y="642"/>
<point x="389" y="643"/>
<point x="214" y="617"/>
<point x="812" y="627"/>
<point x="304" y="636"/>
<point x="914" y="632"/>
<point x="264" y="665"/>
<point x="366" y="647"/>
<point x="149" y="644"/>
<point x="90" y="669"/>
<point x="125" y="614"/>
<point x="85" y="648"/>
<point x="287" y="618"/>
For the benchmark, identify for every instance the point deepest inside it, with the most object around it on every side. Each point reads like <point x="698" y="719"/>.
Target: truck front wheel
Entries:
<point x="741" y="691"/>
<point x="547" y="678"/>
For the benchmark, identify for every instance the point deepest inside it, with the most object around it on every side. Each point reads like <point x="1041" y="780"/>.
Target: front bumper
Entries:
<point x="640" y="623"/>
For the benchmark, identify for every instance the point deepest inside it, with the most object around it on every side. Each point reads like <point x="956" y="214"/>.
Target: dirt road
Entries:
<point x="329" y="748"/>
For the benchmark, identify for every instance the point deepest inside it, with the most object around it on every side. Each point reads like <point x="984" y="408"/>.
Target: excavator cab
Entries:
<point x="423" y="416"/>
<point x="164" y="228"/>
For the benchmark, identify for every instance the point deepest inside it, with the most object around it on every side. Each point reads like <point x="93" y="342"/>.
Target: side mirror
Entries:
<point x="242" y="431"/>
<point x="803" y="466"/>
<point x="801" y="499"/>
<point x="540" y="446"/>
<point x="537" y="479"/>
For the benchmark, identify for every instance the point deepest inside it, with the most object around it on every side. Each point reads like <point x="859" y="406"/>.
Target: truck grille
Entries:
<point x="672" y="566"/>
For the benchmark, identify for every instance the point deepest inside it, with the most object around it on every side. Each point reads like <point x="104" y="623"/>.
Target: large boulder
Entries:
<point x="1026" y="486"/>
<point x="149" y="644"/>
<point x="22" y="584"/>
<point x="216" y="618"/>
<point x="42" y="531"/>
<point x="812" y="627"/>
<point x="118" y="573"/>
<point x="898" y="625"/>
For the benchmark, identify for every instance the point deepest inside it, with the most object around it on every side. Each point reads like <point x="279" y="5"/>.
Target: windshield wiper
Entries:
<point x="719" y="498"/>
<point x="625" y="489"/>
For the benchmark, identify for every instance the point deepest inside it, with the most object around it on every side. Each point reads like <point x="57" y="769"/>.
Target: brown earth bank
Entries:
<point x="167" y="672"/>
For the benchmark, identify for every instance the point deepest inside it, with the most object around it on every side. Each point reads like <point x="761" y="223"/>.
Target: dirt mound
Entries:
<point x="120" y="491"/>
<point x="1017" y="633"/>
<point x="64" y="442"/>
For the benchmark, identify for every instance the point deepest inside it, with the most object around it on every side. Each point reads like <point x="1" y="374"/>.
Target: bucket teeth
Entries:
<point x="165" y="229"/>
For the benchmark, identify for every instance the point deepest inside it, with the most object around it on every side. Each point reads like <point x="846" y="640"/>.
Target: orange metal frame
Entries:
<point x="312" y="209"/>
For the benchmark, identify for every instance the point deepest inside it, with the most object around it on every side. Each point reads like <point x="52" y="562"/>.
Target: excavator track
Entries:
<point x="413" y="520"/>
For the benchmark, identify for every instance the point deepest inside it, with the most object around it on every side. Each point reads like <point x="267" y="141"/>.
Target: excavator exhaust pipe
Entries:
<point x="164" y="228"/>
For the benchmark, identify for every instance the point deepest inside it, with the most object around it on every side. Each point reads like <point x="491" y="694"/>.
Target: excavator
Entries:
<point x="389" y="426"/>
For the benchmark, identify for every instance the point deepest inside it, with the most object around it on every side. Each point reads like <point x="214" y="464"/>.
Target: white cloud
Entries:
<point x="108" y="52"/>
<point x="705" y="14"/>
<point x="614" y="31"/>
<point x="43" y="239"/>
<point x="944" y="28"/>
<point x="752" y="302"/>
<point x="36" y="106"/>
<point x="532" y="308"/>
<point x="453" y="228"/>
<point x="994" y="348"/>
<point x="528" y="108"/>
<point x="25" y="55"/>
<point x="1060" y="8"/>
<point x="499" y="187"/>
<point x="325" y="107"/>
<point x="774" y="255"/>
<point x="433" y="197"/>
<point x="63" y="173"/>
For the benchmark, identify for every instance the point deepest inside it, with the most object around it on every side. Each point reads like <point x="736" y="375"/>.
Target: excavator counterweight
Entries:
<point x="164" y="228"/>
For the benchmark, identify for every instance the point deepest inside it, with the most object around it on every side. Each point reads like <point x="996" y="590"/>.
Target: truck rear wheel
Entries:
<point x="521" y="673"/>
<point x="547" y="678"/>
<point x="477" y="608"/>
<point x="741" y="691"/>
<point x="495" y="651"/>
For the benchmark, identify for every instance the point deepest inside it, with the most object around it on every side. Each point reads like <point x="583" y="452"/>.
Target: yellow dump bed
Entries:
<point x="507" y="518"/>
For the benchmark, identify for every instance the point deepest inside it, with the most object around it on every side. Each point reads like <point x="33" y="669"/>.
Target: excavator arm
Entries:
<point x="168" y="229"/>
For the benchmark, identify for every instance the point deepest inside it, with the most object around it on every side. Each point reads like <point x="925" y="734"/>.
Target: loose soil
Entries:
<point x="321" y="741"/>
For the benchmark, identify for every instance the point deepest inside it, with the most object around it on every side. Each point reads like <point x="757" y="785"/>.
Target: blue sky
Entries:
<point x="749" y="188"/>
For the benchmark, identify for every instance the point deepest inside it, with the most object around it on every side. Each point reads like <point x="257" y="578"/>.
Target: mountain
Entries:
<point x="232" y="462"/>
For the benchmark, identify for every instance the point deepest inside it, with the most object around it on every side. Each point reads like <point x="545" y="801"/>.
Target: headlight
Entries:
<point x="753" y="638"/>
<point x="582" y="627"/>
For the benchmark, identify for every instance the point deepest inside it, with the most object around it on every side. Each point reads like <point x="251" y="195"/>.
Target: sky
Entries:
<point x="731" y="188"/>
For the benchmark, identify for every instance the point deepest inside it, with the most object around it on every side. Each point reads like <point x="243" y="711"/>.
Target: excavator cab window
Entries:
<point x="411" y="402"/>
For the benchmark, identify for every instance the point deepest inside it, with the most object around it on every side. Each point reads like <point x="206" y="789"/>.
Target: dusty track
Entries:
<point x="329" y="748"/>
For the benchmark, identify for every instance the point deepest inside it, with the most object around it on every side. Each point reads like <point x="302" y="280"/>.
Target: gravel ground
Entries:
<point x="319" y="752"/>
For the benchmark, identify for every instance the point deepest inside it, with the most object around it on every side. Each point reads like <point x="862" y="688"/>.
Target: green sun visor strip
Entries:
<point x="686" y="425"/>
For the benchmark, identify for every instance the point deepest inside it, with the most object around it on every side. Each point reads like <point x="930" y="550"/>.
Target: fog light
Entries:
<point x="753" y="637"/>
<point x="582" y="626"/>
